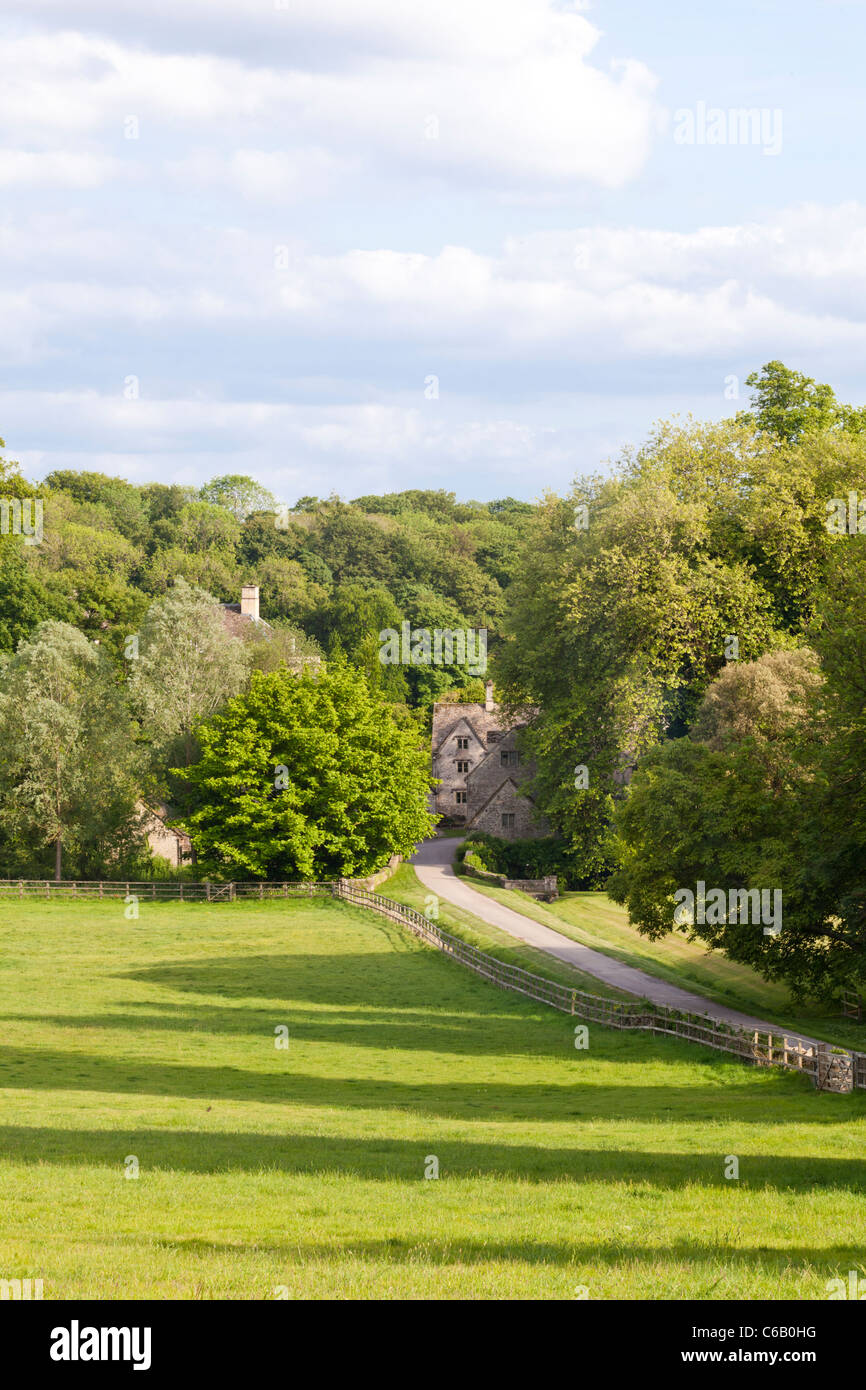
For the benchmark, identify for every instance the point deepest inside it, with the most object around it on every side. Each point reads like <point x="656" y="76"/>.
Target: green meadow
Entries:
<point x="264" y="1171"/>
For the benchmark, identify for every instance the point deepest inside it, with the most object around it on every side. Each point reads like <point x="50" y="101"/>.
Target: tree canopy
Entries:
<point x="313" y="775"/>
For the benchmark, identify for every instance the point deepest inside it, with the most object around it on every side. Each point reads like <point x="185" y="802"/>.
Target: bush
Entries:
<point x="528" y="859"/>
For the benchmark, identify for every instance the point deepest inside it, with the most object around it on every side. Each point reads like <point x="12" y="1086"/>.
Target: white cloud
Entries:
<point x="270" y="175"/>
<point x="291" y="449"/>
<point x="586" y="296"/>
<point x="502" y="94"/>
<point x="56" y="169"/>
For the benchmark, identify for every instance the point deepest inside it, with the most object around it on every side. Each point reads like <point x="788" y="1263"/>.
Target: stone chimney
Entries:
<point x="250" y="601"/>
<point x="489" y="702"/>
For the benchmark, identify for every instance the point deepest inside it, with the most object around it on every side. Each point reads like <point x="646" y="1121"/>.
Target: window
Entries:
<point x="507" y="820"/>
<point x="460" y="798"/>
<point x="509" y="757"/>
<point x="463" y="743"/>
<point x="493" y="738"/>
<point x="462" y="767"/>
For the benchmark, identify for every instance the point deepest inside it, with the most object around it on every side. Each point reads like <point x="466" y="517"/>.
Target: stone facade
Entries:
<point x="478" y="763"/>
<point x="162" y="840"/>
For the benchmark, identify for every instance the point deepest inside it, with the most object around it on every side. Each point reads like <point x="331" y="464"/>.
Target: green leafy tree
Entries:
<point x="355" y="616"/>
<point x="284" y="646"/>
<point x="24" y="600"/>
<point x="789" y="404"/>
<point x="238" y="494"/>
<point x="307" y="776"/>
<point x="68" y="777"/>
<point x="766" y="793"/>
<point x="184" y="663"/>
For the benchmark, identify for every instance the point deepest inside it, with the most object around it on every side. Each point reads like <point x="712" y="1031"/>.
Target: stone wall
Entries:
<point x="546" y="888"/>
<point x="492" y="789"/>
<point x="382" y="876"/>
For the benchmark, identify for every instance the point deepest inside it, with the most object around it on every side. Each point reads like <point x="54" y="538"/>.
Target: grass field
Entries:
<point x="263" y="1170"/>
<point x="595" y="920"/>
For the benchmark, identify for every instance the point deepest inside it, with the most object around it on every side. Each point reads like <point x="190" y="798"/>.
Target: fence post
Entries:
<point x="180" y="885"/>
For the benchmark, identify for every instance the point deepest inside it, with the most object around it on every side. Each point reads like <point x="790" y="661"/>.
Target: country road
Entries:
<point x="433" y="863"/>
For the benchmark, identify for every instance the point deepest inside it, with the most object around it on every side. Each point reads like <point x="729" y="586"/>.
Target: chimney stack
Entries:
<point x="489" y="702"/>
<point x="250" y="601"/>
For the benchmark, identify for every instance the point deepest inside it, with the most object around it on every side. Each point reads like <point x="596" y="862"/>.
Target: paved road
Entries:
<point x="433" y="865"/>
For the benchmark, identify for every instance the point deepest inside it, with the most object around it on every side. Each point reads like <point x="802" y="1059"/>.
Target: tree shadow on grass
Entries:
<point x="433" y="1030"/>
<point x="390" y="1160"/>
<point x="704" y="1257"/>
<point x="579" y="1095"/>
<point x="381" y="978"/>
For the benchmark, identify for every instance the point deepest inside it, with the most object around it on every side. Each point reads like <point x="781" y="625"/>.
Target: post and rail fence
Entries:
<point x="830" y="1068"/>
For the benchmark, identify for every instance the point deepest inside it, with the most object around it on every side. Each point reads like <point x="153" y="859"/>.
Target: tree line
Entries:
<point x="686" y="629"/>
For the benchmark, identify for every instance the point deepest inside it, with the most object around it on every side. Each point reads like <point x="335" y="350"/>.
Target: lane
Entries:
<point x="433" y="863"/>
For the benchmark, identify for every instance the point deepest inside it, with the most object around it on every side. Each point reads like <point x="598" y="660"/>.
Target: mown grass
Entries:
<point x="593" y="919"/>
<point x="262" y="1170"/>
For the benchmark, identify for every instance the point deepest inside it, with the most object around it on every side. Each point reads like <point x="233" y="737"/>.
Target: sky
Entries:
<point x="357" y="246"/>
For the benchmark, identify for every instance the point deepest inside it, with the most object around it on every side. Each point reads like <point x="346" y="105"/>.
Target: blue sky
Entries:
<point x="360" y="245"/>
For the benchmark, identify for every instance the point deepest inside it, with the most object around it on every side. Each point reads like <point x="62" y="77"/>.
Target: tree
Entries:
<point x="184" y="665"/>
<point x="239" y="495"/>
<point x="68" y="772"/>
<point x="284" y="646"/>
<point x="761" y="700"/>
<point x="307" y="776"/>
<point x="789" y="404"/>
<point x="767" y="793"/>
<point x="355" y="616"/>
<point x="24" y="601"/>
<point x="121" y="500"/>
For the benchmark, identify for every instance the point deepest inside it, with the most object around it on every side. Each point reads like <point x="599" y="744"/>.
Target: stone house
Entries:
<point x="480" y="768"/>
<point x="241" y="618"/>
<point x="162" y="840"/>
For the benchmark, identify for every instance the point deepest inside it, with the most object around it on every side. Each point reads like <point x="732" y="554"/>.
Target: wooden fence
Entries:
<point x="157" y="889"/>
<point x="830" y="1068"/>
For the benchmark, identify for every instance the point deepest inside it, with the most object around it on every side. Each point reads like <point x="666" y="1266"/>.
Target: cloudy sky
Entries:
<point x="361" y="245"/>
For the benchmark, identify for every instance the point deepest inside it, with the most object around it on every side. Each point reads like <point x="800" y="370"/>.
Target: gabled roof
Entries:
<point x="498" y="792"/>
<point x="243" y="624"/>
<point x="463" y="722"/>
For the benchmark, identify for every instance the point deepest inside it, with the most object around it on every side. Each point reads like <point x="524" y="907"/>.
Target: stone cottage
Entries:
<point x="476" y="758"/>
<point x="243" y="618"/>
<point x="164" y="841"/>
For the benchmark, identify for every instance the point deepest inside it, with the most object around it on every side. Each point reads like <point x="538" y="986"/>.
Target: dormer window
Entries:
<point x="462" y="742"/>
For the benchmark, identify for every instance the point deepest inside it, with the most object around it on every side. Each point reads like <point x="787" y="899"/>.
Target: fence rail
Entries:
<point x="157" y="889"/>
<point x="830" y="1068"/>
